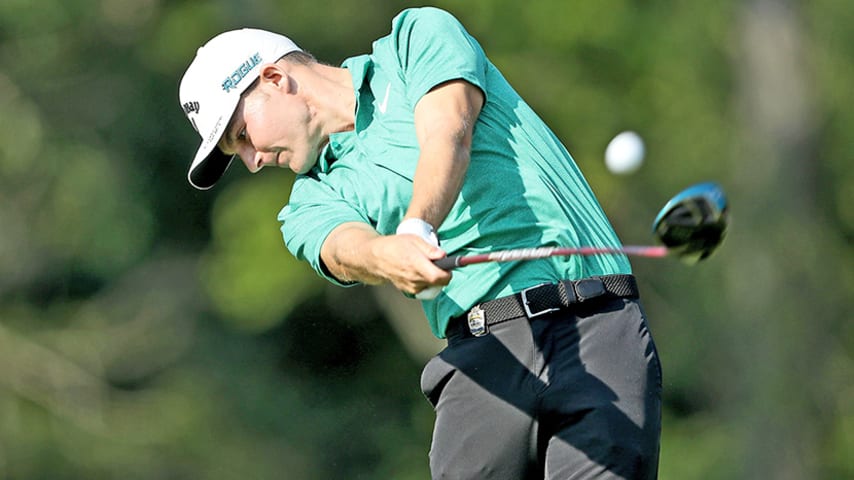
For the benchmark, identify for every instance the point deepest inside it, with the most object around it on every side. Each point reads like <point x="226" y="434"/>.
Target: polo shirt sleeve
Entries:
<point x="432" y="47"/>
<point x="313" y="211"/>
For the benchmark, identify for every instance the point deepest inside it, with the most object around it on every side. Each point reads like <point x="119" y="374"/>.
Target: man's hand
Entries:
<point x="422" y="229"/>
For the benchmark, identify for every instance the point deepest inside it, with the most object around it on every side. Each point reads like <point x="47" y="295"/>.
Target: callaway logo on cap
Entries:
<point x="210" y="91"/>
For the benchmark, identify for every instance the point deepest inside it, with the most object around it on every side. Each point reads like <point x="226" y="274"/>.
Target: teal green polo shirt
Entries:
<point x="522" y="188"/>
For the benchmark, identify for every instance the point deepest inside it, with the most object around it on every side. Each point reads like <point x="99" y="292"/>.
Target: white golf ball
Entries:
<point x="624" y="153"/>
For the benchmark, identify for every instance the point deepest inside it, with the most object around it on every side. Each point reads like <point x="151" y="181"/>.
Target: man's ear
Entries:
<point x="274" y="75"/>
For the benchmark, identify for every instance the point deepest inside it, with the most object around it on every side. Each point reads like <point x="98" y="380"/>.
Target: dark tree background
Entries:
<point x="150" y="331"/>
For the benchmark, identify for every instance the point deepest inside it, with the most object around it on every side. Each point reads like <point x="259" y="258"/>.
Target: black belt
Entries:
<point x="540" y="300"/>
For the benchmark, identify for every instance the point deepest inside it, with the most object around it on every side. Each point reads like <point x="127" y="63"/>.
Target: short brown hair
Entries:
<point x="300" y="57"/>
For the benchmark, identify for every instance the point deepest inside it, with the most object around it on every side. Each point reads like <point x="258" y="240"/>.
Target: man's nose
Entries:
<point x="263" y="159"/>
<point x="253" y="159"/>
<point x="247" y="156"/>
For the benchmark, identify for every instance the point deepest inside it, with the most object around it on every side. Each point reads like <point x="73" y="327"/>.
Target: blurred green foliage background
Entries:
<point x="150" y="331"/>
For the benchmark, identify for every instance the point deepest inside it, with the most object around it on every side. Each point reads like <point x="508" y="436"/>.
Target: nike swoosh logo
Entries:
<point x="384" y="105"/>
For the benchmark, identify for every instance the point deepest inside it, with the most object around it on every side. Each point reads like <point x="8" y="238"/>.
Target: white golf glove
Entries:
<point x="416" y="226"/>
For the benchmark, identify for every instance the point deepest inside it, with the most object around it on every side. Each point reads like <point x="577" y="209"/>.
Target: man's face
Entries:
<point x="273" y="127"/>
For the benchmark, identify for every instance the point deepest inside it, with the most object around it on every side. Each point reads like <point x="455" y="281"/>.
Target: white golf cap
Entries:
<point x="210" y="91"/>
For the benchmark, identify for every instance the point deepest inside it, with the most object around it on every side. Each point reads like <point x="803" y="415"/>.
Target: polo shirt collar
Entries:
<point x="361" y="70"/>
<point x="359" y="67"/>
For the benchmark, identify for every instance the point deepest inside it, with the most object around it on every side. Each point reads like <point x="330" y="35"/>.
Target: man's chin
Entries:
<point x="298" y="167"/>
<point x="306" y="164"/>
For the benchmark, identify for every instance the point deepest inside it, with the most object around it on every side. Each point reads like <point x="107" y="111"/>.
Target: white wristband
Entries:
<point x="429" y="293"/>
<point x="416" y="226"/>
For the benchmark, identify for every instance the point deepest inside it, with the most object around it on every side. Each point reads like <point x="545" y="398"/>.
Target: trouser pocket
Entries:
<point x="434" y="377"/>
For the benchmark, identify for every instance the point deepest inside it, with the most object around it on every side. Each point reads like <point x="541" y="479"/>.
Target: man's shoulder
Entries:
<point x="431" y="21"/>
<point x="427" y="14"/>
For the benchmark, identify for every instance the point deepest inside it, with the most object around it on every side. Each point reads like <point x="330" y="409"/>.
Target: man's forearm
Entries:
<point x="438" y="179"/>
<point x="444" y="124"/>
<point x="346" y="253"/>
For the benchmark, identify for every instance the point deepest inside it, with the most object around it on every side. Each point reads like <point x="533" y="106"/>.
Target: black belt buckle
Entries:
<point x="526" y="305"/>
<point x="589" y="288"/>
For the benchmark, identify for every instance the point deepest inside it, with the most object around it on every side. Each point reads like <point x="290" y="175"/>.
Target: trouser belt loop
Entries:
<point x="541" y="300"/>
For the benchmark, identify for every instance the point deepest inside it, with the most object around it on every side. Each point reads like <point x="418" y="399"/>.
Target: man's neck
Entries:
<point x="331" y="89"/>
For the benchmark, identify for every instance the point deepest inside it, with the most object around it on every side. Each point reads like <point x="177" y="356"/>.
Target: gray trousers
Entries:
<point x="575" y="394"/>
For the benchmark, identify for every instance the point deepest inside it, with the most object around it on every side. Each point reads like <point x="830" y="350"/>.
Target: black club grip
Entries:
<point x="448" y="263"/>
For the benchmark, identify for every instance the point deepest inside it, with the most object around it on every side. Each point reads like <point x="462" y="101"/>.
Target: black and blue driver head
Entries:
<point x="694" y="222"/>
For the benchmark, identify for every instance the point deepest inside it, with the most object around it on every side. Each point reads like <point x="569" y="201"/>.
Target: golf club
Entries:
<point x="691" y="225"/>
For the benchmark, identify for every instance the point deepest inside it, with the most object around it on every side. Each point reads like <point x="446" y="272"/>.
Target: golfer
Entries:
<point x="419" y="149"/>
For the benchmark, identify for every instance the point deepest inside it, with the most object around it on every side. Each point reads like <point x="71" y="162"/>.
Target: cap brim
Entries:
<point x="208" y="169"/>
